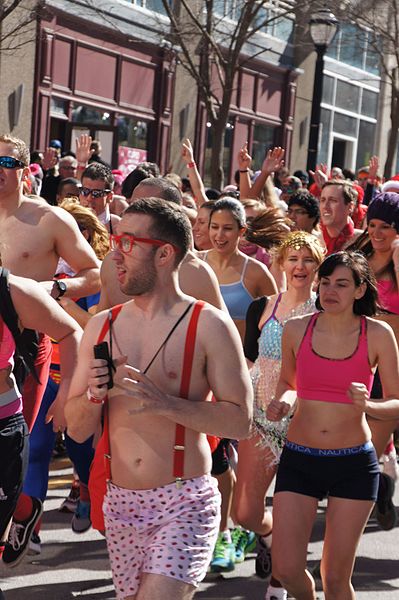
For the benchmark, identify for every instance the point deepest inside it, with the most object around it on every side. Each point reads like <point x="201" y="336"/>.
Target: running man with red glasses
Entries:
<point x="162" y="506"/>
<point x="33" y="235"/>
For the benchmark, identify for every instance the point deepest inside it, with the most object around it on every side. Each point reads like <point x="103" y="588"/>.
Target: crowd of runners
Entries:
<point x="187" y="347"/>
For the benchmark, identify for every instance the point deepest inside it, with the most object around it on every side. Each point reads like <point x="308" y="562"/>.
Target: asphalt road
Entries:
<point x="76" y="566"/>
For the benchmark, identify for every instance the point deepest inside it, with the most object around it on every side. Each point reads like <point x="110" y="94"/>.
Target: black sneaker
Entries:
<point x="20" y="533"/>
<point x="263" y="561"/>
<point x="35" y="546"/>
<point x="385" y="511"/>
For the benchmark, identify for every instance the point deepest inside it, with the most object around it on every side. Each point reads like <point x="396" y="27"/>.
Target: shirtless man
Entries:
<point x="144" y="410"/>
<point x="196" y="278"/>
<point x="33" y="235"/>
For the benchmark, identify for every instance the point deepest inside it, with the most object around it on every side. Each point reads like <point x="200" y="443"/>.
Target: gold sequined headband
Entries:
<point x="298" y="239"/>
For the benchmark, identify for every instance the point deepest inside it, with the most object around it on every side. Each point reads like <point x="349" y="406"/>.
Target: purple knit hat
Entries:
<point x="385" y="207"/>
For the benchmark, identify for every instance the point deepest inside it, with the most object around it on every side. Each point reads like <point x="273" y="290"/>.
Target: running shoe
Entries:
<point x="223" y="559"/>
<point x="70" y="503"/>
<point x="35" y="547"/>
<point x="81" y="521"/>
<point x="244" y="541"/>
<point x="263" y="561"/>
<point x="385" y="510"/>
<point x="20" y="533"/>
<point x="276" y="593"/>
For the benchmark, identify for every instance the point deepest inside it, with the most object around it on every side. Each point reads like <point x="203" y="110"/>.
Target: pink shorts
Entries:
<point x="165" y="530"/>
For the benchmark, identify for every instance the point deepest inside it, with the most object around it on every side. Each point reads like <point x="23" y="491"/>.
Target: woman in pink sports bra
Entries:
<point x="382" y="252"/>
<point x="327" y="372"/>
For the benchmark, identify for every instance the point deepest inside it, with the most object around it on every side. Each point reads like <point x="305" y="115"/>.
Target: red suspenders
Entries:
<point x="178" y="449"/>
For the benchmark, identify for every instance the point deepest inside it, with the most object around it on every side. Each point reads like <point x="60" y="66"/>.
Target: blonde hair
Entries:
<point x="22" y="149"/>
<point x="87" y="220"/>
<point x="296" y="240"/>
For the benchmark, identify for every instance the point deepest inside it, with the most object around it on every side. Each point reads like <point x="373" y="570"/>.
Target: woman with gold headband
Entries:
<point x="299" y="257"/>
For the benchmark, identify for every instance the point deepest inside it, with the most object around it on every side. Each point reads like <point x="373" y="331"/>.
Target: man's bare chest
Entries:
<point x="27" y="249"/>
<point x="159" y="354"/>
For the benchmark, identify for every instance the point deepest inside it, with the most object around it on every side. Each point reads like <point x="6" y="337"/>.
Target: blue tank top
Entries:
<point x="270" y="337"/>
<point x="236" y="296"/>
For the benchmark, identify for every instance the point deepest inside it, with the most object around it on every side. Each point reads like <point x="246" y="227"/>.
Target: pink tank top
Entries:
<point x="328" y="379"/>
<point x="388" y="296"/>
<point x="10" y="400"/>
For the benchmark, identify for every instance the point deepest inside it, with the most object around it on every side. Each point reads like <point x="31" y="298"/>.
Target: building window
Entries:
<point x="228" y="144"/>
<point x="280" y="24"/>
<point x="369" y="104"/>
<point x="263" y="140"/>
<point x="365" y="143"/>
<point x="132" y="132"/>
<point x="154" y="5"/>
<point x="347" y="96"/>
<point x="353" y="46"/>
<point x="89" y="116"/>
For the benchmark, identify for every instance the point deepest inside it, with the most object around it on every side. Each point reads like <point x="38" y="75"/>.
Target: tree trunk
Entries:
<point x="393" y="135"/>
<point x="217" y="171"/>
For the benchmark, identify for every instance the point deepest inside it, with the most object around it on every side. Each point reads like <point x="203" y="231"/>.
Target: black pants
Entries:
<point x="14" y="453"/>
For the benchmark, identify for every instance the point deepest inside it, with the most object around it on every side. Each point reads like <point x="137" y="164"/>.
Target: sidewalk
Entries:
<point x="76" y="566"/>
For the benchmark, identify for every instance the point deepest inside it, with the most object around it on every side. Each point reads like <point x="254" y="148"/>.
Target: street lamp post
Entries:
<point x="323" y="26"/>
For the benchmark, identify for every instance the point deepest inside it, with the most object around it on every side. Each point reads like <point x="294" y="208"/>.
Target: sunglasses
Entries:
<point x="125" y="242"/>
<point x="85" y="191"/>
<point x="9" y="162"/>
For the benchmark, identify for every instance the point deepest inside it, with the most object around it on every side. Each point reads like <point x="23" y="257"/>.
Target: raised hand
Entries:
<point x="273" y="160"/>
<point x="244" y="159"/>
<point x="320" y="176"/>
<point x="83" y="152"/>
<point x="373" y="167"/>
<point x="50" y="158"/>
<point x="187" y="152"/>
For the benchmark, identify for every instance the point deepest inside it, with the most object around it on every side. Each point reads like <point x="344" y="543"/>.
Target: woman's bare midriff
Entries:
<point x="319" y="424"/>
<point x="142" y="451"/>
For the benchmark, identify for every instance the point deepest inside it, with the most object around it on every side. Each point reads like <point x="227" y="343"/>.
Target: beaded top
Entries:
<point x="266" y="372"/>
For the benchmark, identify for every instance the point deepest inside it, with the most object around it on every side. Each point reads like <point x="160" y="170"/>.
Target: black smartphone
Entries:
<point x="102" y="351"/>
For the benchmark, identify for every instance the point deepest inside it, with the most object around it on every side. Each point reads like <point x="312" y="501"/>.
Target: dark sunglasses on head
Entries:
<point x="85" y="191"/>
<point x="9" y="162"/>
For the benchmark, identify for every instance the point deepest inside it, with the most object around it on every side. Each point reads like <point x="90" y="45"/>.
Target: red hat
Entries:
<point x="360" y="192"/>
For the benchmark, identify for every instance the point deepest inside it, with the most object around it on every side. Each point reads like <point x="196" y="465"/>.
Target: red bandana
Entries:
<point x="336" y="244"/>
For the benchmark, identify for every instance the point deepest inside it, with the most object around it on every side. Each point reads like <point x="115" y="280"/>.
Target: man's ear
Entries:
<point x="166" y="253"/>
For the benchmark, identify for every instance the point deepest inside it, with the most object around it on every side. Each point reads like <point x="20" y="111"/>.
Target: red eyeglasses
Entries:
<point x="125" y="242"/>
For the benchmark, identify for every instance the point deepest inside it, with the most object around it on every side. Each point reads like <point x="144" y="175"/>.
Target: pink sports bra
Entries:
<point x="328" y="379"/>
<point x="388" y="296"/>
<point x="10" y="400"/>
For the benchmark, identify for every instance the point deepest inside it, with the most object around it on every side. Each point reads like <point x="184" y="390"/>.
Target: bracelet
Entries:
<point x="93" y="399"/>
<point x="244" y="170"/>
<point x="80" y="168"/>
<point x="191" y="165"/>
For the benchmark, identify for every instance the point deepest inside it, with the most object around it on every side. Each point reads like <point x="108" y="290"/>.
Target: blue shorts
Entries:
<point x="351" y="473"/>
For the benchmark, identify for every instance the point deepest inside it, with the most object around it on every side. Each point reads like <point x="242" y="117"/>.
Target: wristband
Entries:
<point x="191" y="165"/>
<point x="80" y="168"/>
<point x="93" y="399"/>
<point x="244" y="170"/>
